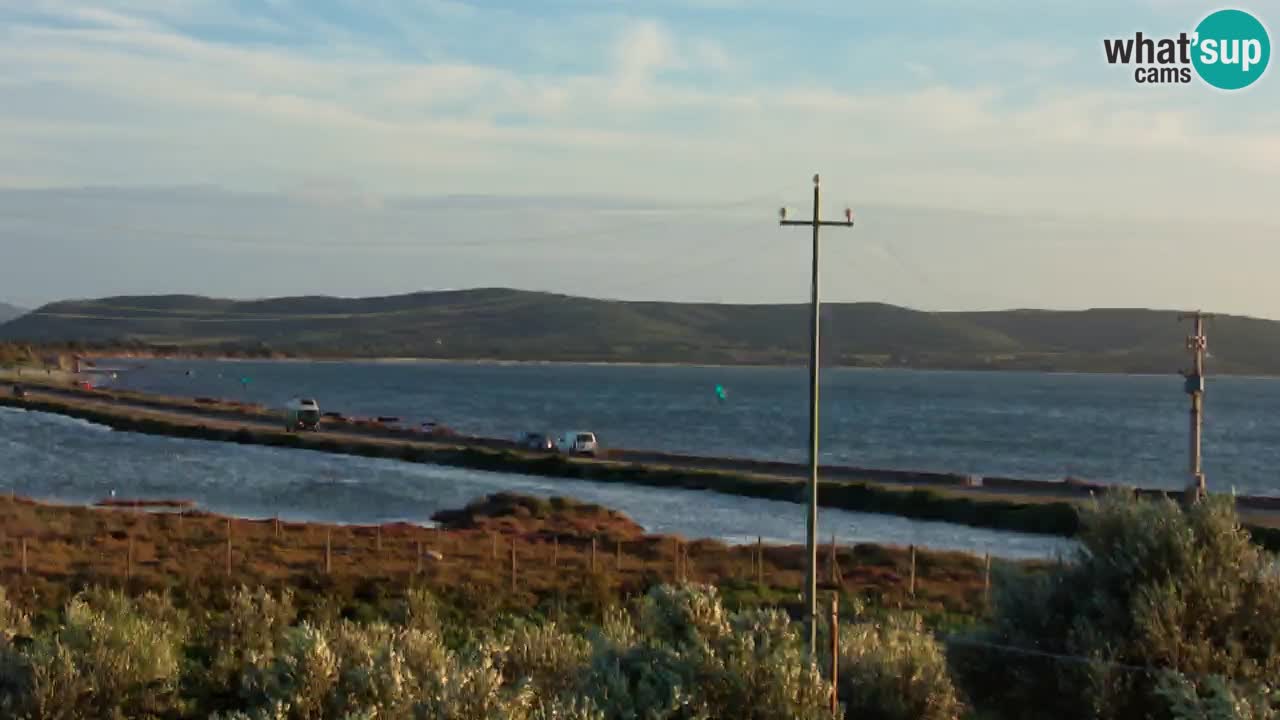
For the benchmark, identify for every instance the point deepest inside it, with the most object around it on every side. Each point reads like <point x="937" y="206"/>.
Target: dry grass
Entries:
<point x="195" y="555"/>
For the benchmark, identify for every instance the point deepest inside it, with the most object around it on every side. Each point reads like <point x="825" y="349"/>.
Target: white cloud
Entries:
<point x="138" y="101"/>
<point x="644" y="48"/>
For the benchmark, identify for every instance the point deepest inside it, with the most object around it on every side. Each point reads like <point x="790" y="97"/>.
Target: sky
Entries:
<point x="635" y="150"/>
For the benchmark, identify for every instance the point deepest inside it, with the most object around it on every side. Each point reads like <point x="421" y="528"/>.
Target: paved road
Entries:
<point x="181" y="411"/>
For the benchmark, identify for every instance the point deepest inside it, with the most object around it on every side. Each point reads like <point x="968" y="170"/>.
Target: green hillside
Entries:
<point x="519" y="325"/>
<point x="9" y="312"/>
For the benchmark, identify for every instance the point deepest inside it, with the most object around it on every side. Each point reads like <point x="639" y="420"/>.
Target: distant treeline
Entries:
<point x="63" y="354"/>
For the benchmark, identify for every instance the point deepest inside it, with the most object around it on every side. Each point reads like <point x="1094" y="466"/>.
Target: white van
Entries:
<point x="578" y="442"/>
<point x="301" y="414"/>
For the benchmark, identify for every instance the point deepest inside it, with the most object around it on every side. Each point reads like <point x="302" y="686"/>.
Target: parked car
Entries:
<point x="302" y="414"/>
<point x="578" y="442"/>
<point x="537" y="441"/>
<point x="19" y="391"/>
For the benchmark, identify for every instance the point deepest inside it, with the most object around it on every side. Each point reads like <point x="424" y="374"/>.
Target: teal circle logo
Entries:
<point x="1232" y="49"/>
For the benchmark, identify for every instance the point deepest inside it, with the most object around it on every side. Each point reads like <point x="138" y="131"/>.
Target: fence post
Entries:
<point x="277" y="525"/>
<point x="419" y="570"/>
<point x="513" y="564"/>
<point x="912" y="588"/>
<point x="759" y="560"/>
<point x="593" y="554"/>
<point x="555" y="550"/>
<point x="836" y="578"/>
<point x="986" y="584"/>
<point x="328" y="550"/>
<point x="835" y="653"/>
<point x="675" y="561"/>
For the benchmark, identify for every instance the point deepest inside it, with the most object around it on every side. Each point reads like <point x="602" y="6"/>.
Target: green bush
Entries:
<point x="683" y="657"/>
<point x="1215" y="698"/>
<point x="895" y="670"/>
<point x="1153" y="589"/>
<point x="250" y="631"/>
<point x="688" y="658"/>
<point x="543" y="657"/>
<point x="108" y="659"/>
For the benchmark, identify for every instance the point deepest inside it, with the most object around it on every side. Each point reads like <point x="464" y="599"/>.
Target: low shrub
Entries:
<point x="1154" y="589"/>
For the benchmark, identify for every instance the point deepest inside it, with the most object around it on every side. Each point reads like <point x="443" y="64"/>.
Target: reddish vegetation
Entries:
<point x="67" y="548"/>
<point x="532" y="517"/>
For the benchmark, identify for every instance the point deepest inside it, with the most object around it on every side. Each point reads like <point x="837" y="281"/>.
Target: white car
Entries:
<point x="302" y="414"/>
<point x="579" y="442"/>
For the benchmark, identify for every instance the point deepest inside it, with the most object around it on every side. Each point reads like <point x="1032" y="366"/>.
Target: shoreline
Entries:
<point x="1047" y="508"/>
<point x="799" y="363"/>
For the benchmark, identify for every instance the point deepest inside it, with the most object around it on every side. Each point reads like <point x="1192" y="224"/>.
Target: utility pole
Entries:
<point x="1197" y="344"/>
<point x="811" y="523"/>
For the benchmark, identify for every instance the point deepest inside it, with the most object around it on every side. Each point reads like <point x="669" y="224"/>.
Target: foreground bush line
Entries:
<point x="676" y="652"/>
<point x="1058" y="517"/>
<point x="1162" y="613"/>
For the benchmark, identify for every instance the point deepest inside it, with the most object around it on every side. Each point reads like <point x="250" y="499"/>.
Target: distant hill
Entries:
<point x="9" y="312"/>
<point x="518" y="325"/>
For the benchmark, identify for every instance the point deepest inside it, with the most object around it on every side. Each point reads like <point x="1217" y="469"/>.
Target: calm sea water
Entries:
<point x="50" y="456"/>
<point x="1112" y="428"/>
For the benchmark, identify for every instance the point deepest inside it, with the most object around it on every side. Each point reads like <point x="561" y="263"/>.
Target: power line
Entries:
<point x="1074" y="659"/>
<point x="672" y="215"/>
<point x="218" y="317"/>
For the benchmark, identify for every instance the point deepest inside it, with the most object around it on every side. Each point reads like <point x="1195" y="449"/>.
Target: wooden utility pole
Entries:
<point x="811" y="522"/>
<point x="1197" y="344"/>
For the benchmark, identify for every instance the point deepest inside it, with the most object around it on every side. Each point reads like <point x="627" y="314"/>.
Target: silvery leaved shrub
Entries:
<point x="895" y="670"/>
<point x="107" y="659"/>
<point x="1154" y="589"/>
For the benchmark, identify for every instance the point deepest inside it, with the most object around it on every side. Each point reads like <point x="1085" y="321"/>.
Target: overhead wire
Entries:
<point x="971" y="642"/>
<point x="668" y="215"/>
<point x="599" y="233"/>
